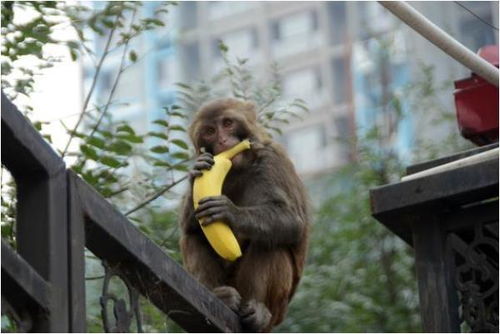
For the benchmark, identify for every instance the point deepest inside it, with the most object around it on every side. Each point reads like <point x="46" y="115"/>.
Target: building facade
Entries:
<point x="347" y="60"/>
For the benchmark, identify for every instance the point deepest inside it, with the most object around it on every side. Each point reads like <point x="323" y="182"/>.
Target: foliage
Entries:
<point x="21" y="39"/>
<point x="359" y="276"/>
<point x="237" y="77"/>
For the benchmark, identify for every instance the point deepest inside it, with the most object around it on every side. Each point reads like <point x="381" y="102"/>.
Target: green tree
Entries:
<point x="359" y="276"/>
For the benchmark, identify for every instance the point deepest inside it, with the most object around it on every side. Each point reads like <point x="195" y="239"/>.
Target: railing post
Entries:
<point x="438" y="298"/>
<point x="76" y="255"/>
<point x="40" y="176"/>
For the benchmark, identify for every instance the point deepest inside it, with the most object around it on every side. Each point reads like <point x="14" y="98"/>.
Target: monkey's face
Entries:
<point x="222" y="132"/>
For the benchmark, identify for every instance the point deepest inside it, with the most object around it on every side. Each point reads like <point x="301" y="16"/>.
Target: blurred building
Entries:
<point x="345" y="59"/>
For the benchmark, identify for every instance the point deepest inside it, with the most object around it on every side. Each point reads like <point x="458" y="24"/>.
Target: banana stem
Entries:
<point x="243" y="145"/>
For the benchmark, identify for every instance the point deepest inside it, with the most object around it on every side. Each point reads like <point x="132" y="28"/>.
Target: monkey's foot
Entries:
<point x="255" y="317"/>
<point x="229" y="296"/>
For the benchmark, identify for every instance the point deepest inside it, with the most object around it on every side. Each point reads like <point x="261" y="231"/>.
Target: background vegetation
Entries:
<point x="358" y="278"/>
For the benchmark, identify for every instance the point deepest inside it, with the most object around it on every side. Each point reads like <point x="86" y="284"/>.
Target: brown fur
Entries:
<point x="271" y="224"/>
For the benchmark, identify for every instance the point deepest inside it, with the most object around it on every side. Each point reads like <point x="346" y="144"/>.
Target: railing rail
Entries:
<point x="58" y="215"/>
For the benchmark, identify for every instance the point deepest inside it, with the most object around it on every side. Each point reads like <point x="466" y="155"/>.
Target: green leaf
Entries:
<point x="73" y="45"/>
<point x="223" y="47"/>
<point x="180" y="143"/>
<point x="125" y="128"/>
<point x="177" y="128"/>
<point x="110" y="161"/>
<point x="161" y="122"/>
<point x="183" y="85"/>
<point x="73" y="54"/>
<point x="162" y="164"/>
<point x="133" y="56"/>
<point x="97" y="142"/>
<point x="156" y="22"/>
<point x="89" y="152"/>
<point x="38" y="125"/>
<point x="242" y="61"/>
<point x="160" y="149"/>
<point x="120" y="147"/>
<point x="176" y="113"/>
<point x="90" y="178"/>
<point x="106" y="192"/>
<point x="181" y="155"/>
<point x="158" y="135"/>
<point x="131" y="138"/>
<point x="108" y="24"/>
<point x="106" y="134"/>
<point x="181" y="168"/>
<point x="109" y="177"/>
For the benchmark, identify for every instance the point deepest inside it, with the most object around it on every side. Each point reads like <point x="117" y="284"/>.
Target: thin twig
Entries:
<point x="156" y="195"/>
<point x="113" y="89"/>
<point x="92" y="87"/>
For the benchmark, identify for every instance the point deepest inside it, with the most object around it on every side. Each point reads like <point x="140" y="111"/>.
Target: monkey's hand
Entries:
<point x="216" y="208"/>
<point x="204" y="161"/>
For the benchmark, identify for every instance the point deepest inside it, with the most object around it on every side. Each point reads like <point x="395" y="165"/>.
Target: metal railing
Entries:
<point x="58" y="216"/>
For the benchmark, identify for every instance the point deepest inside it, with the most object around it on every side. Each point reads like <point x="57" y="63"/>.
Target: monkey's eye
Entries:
<point x="227" y="122"/>
<point x="209" y="131"/>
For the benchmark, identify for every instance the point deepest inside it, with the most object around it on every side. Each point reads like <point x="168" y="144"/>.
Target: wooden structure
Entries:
<point x="451" y="220"/>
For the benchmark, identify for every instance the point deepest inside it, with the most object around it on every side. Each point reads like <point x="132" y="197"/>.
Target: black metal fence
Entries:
<point x="451" y="220"/>
<point x="58" y="216"/>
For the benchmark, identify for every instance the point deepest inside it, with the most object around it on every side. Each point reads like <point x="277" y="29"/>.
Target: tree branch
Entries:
<point x="156" y="195"/>
<point x="92" y="87"/>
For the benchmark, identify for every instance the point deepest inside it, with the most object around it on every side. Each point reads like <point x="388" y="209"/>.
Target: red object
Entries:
<point x="476" y="102"/>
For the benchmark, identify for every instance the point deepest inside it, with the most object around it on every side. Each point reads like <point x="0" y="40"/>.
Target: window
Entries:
<point x="167" y="72"/>
<point x="341" y="72"/>
<point x="188" y="13"/>
<point x="305" y="147"/>
<point x="343" y="130"/>
<point x="374" y="19"/>
<point x="295" y="33"/>
<point x="241" y="43"/>
<point x="296" y="24"/>
<point x="475" y="33"/>
<point x="337" y="18"/>
<point x="191" y="66"/>
<point x="220" y="9"/>
<point x="306" y="84"/>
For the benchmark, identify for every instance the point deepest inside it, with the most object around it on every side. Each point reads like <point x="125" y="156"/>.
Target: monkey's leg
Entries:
<point x="229" y="296"/>
<point x="264" y="280"/>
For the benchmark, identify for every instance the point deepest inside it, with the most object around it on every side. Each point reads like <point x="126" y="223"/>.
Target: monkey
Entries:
<point x="265" y="204"/>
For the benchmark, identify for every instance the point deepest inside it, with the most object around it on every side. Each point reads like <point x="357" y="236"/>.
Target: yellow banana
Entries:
<point x="219" y="235"/>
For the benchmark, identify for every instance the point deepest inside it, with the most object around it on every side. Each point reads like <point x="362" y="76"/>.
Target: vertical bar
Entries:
<point x="76" y="250"/>
<point x="42" y="237"/>
<point x="41" y="222"/>
<point x="438" y="298"/>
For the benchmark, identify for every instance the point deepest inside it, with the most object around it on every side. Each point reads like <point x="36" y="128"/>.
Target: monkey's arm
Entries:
<point x="273" y="220"/>
<point x="197" y="256"/>
<point x="272" y="204"/>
